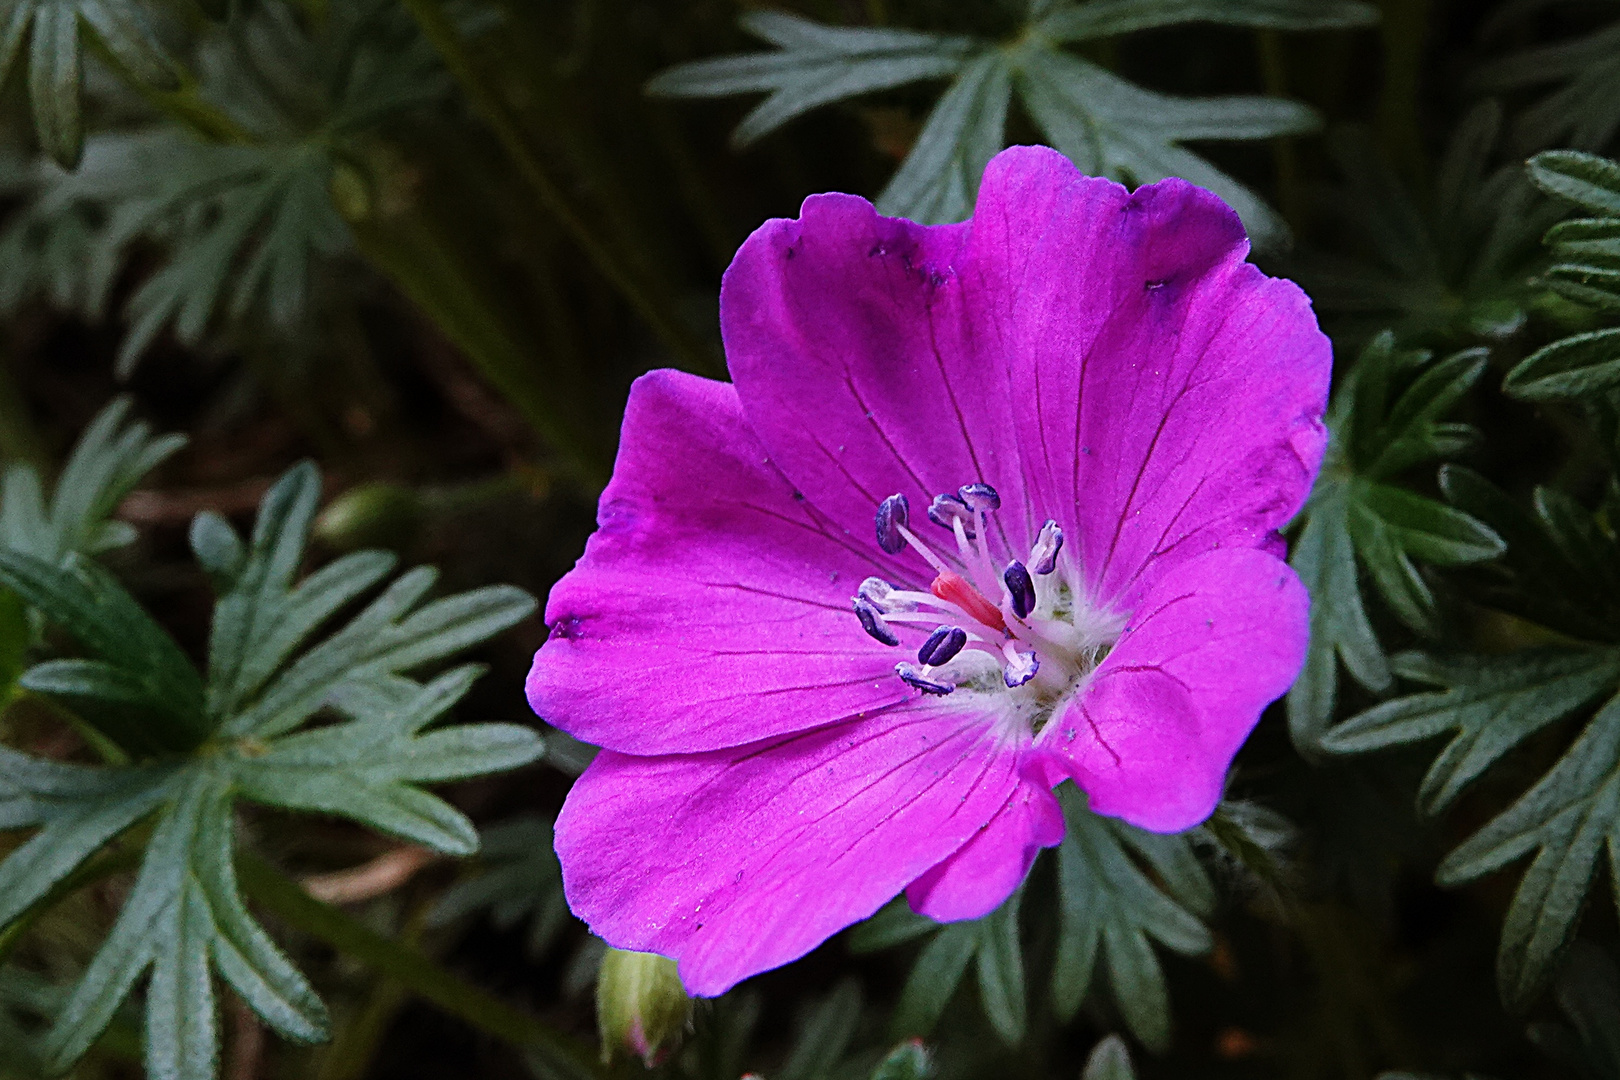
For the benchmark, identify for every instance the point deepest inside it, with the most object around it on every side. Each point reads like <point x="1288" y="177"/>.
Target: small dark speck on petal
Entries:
<point x="798" y="496"/>
<point x="833" y="576"/>
<point x="1085" y="450"/>
<point x="1155" y="284"/>
<point x="568" y="628"/>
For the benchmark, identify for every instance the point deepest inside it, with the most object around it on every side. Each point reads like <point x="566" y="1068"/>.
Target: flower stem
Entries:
<point x="284" y="898"/>
<point x="485" y="100"/>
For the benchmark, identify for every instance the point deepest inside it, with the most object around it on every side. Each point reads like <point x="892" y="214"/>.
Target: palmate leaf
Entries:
<point x="1587" y="270"/>
<point x="1384" y="420"/>
<point x="1111" y="910"/>
<point x="1568" y="818"/>
<point x="1560" y="570"/>
<point x="1584" y="112"/>
<point x="184" y="922"/>
<point x="1119" y="889"/>
<point x="1488" y="705"/>
<point x="51" y="30"/>
<point x="1106" y="125"/>
<point x="1451" y="263"/>
<point x="113" y="454"/>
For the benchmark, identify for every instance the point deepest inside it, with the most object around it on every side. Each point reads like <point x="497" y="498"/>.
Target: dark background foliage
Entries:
<point x="429" y="244"/>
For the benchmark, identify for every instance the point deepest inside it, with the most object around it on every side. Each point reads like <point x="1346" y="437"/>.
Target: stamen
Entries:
<point x="1048" y="542"/>
<point x="1021" y="667"/>
<point x="981" y="497"/>
<point x="1021" y="587"/>
<point x="947" y="510"/>
<point x="915" y="679"/>
<point x="885" y="597"/>
<point x="893" y="514"/>
<point x="953" y="587"/>
<point x="872" y="622"/>
<point x="942" y="646"/>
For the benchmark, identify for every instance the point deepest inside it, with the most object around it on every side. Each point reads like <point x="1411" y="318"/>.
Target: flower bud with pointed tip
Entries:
<point x="641" y="1006"/>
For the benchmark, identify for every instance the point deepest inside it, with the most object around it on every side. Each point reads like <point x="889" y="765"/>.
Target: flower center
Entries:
<point x="1027" y="629"/>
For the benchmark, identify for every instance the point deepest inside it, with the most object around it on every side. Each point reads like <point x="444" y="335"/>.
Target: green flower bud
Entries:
<point x="641" y="1005"/>
<point x="371" y="515"/>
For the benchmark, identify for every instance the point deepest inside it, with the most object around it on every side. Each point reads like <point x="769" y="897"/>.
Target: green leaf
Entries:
<point x="184" y="915"/>
<point x="1559" y="567"/>
<point x="1109" y="18"/>
<point x="1110" y="909"/>
<point x="826" y="1034"/>
<point x="1110" y="127"/>
<point x="1384" y="420"/>
<point x="152" y="696"/>
<point x="1585" y="111"/>
<point x="1574" y="367"/>
<point x="77" y="810"/>
<point x="934" y="979"/>
<point x="184" y="922"/>
<point x="54" y="66"/>
<point x="1105" y="124"/>
<point x="908" y="1061"/>
<point x="112" y="456"/>
<point x="366" y="769"/>
<point x="1588" y="181"/>
<point x="1588" y="992"/>
<point x="1109" y="1060"/>
<point x="1001" y="972"/>
<point x="1567" y="819"/>
<point x="939" y="179"/>
<point x="815" y="65"/>
<point x="518" y="878"/>
<point x="1488" y="704"/>
<point x="894" y="924"/>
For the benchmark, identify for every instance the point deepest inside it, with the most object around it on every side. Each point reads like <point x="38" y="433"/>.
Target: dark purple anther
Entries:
<point x="942" y="645"/>
<point x="946" y="510"/>
<point x="914" y="678"/>
<point x="980" y="497"/>
<point x="893" y="514"/>
<point x="1020" y="669"/>
<point x="1048" y="542"/>
<point x="1022" y="588"/>
<point x="872" y="622"/>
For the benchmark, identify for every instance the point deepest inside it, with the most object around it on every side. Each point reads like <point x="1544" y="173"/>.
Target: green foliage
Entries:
<point x="1586" y="270"/>
<point x="1584" y="112"/>
<point x="52" y="30"/>
<point x="1109" y="1060"/>
<point x="1118" y="888"/>
<point x="247" y="219"/>
<point x="199" y="743"/>
<point x="1106" y="125"/>
<point x="1449" y="266"/>
<point x="1560" y="570"/>
<point x="1384" y="421"/>
<point x="518" y="880"/>
<point x="1588" y="993"/>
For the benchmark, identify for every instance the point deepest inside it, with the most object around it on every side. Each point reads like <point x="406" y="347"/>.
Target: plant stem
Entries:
<point x="1283" y="155"/>
<point x="413" y="253"/>
<point x="290" y="903"/>
<point x="436" y="26"/>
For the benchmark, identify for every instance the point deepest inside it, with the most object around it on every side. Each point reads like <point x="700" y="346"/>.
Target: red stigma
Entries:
<point x="955" y="588"/>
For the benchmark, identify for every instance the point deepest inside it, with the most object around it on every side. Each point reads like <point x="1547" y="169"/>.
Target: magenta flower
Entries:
<point x="1079" y="420"/>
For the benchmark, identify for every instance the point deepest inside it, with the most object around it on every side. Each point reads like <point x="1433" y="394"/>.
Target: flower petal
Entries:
<point x="711" y="607"/>
<point x="741" y="860"/>
<point x="973" y="882"/>
<point x="1169" y="395"/>
<point x="1215" y="640"/>
<point x="861" y="361"/>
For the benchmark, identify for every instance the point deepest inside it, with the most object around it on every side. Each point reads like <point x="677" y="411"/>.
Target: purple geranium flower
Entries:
<point x="1079" y="420"/>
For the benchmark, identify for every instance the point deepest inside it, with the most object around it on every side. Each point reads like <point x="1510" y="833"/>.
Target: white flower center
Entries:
<point x="1026" y="635"/>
